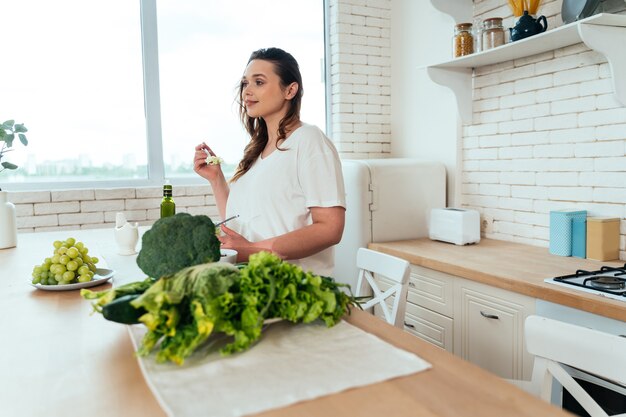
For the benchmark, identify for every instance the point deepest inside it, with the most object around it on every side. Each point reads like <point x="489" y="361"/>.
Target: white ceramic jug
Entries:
<point x="8" y="225"/>
<point x="126" y="235"/>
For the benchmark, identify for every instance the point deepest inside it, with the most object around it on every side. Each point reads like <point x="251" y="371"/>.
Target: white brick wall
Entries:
<point x="547" y="134"/>
<point x="96" y="208"/>
<point x="361" y="77"/>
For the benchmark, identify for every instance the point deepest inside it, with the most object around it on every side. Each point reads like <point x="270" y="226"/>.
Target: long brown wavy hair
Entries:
<point x="287" y="69"/>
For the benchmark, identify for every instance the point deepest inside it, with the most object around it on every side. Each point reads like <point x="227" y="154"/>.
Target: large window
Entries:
<point x="103" y="110"/>
<point x="72" y="73"/>
<point x="203" y="50"/>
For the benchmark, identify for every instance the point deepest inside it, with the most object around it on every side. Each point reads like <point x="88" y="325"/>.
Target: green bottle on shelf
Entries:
<point x="168" y="207"/>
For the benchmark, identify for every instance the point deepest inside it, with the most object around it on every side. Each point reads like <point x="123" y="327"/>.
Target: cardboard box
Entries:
<point x="603" y="238"/>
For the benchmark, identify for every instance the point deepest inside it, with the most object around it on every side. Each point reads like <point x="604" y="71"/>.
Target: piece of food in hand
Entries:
<point x="176" y="242"/>
<point x="214" y="160"/>
<point x="69" y="264"/>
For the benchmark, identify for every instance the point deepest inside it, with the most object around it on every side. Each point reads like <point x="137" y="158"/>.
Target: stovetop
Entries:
<point x="607" y="281"/>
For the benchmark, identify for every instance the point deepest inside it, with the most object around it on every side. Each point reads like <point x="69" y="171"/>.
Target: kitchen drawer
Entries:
<point x="427" y="288"/>
<point x="430" y="326"/>
<point x="431" y="289"/>
<point x="425" y="324"/>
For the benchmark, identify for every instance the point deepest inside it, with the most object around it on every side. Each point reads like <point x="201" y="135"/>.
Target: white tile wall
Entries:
<point x="361" y="77"/>
<point x="547" y="134"/>
<point x="95" y="208"/>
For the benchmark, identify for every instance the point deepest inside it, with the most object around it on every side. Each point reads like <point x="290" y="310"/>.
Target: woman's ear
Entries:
<point x="291" y="91"/>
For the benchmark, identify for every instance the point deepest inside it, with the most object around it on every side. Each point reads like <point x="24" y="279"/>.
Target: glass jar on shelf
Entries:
<point x="493" y="33"/>
<point x="477" y="32"/>
<point x="463" y="43"/>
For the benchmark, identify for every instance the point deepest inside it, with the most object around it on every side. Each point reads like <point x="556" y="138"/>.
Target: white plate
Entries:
<point x="101" y="276"/>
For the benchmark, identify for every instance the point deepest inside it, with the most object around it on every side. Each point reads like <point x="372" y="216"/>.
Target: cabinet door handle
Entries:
<point x="622" y="335"/>
<point x="489" y="316"/>
<point x="409" y="325"/>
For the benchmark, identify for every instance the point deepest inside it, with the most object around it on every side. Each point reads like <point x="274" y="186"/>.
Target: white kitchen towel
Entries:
<point x="291" y="363"/>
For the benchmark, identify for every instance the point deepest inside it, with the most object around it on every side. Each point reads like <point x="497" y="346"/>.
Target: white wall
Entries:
<point x="424" y="114"/>
<point x="547" y="132"/>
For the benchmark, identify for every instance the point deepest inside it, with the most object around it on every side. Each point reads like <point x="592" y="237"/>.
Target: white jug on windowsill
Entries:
<point x="126" y="235"/>
<point x="8" y="225"/>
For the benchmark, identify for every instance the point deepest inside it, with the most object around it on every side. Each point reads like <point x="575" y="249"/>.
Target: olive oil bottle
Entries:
<point x="168" y="207"/>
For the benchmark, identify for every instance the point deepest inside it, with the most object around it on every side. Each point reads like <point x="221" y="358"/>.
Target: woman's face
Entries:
<point x="261" y="91"/>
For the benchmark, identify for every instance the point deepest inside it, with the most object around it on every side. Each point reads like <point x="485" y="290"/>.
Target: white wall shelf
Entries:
<point x="603" y="33"/>
<point x="459" y="10"/>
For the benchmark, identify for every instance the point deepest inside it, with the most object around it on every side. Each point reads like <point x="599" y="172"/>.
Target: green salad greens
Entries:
<point x="183" y="309"/>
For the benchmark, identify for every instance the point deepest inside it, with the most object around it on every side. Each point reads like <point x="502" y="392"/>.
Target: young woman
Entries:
<point x="288" y="188"/>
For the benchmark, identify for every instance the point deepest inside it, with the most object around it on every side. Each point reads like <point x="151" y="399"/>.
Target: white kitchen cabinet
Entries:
<point x="489" y="328"/>
<point x="480" y="323"/>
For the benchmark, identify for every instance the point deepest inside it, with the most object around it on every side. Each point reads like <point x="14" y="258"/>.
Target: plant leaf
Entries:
<point x="8" y="124"/>
<point x="8" y="165"/>
<point x="23" y="139"/>
<point x="2" y="134"/>
<point x="9" y="139"/>
<point x="20" y="128"/>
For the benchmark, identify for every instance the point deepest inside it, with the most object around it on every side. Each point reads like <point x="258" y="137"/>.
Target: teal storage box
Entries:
<point x="579" y="237"/>
<point x="561" y="230"/>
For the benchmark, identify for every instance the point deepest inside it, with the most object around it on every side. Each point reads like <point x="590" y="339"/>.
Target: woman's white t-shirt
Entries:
<point x="274" y="197"/>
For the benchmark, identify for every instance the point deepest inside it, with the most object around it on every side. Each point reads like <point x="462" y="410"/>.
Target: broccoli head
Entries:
<point x="176" y="242"/>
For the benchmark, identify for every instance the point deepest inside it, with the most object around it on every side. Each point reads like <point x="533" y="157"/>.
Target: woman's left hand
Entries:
<point x="231" y="239"/>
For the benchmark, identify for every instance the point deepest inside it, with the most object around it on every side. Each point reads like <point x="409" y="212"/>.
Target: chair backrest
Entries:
<point x="397" y="270"/>
<point x="555" y="344"/>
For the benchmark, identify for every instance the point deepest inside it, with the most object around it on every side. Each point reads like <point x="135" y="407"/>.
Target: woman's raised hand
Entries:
<point x="209" y="172"/>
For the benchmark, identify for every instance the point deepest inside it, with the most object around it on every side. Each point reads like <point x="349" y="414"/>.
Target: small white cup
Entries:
<point x="228" y="255"/>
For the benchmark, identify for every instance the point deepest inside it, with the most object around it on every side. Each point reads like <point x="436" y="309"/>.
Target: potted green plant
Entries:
<point x="8" y="225"/>
<point x="8" y="131"/>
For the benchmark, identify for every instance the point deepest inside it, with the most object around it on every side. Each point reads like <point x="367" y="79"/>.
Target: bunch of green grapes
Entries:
<point x="70" y="263"/>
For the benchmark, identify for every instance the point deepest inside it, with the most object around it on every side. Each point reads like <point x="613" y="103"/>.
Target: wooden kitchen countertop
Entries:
<point x="511" y="266"/>
<point x="58" y="359"/>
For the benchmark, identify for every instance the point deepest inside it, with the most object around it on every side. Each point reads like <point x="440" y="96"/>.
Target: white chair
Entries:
<point x="558" y="346"/>
<point x="370" y="262"/>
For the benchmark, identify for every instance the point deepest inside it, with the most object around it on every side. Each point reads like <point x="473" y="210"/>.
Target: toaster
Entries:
<point x="454" y="225"/>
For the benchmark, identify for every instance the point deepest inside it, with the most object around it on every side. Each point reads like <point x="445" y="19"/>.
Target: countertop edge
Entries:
<point x="587" y="302"/>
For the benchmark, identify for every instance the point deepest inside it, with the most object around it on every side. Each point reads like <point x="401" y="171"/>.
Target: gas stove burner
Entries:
<point x="606" y="282"/>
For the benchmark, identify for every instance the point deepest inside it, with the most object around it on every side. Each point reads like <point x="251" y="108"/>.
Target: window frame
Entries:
<point x="152" y="111"/>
